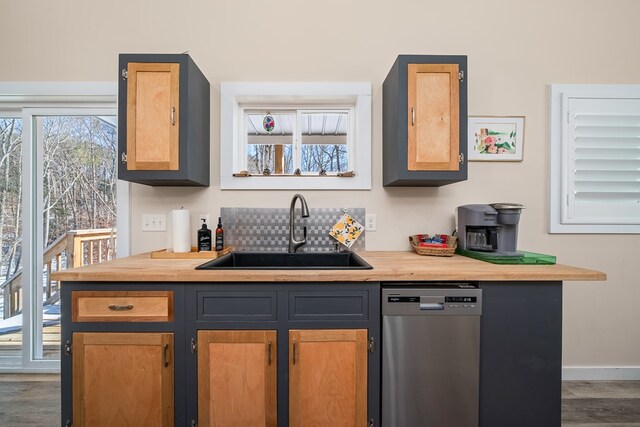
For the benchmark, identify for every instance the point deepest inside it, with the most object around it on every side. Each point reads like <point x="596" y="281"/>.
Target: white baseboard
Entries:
<point x="600" y="373"/>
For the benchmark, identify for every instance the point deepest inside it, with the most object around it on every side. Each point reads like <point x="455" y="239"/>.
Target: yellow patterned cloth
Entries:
<point x="346" y="230"/>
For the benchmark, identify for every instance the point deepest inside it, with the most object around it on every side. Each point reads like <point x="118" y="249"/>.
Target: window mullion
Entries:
<point x="297" y="141"/>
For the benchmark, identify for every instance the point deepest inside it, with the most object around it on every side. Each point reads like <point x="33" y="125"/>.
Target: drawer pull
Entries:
<point x="294" y="352"/>
<point x="166" y="351"/>
<point x="120" y="307"/>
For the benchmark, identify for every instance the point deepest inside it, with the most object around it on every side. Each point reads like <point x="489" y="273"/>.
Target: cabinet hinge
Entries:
<point x="67" y="349"/>
<point x="461" y="75"/>
<point x="371" y="344"/>
<point x="68" y="423"/>
<point x="124" y="74"/>
<point x="194" y="346"/>
<point x="371" y="423"/>
<point x="194" y="423"/>
<point x="461" y="158"/>
<point x="124" y="157"/>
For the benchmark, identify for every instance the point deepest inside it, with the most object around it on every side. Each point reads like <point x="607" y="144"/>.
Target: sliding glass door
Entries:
<point x="70" y="212"/>
<point x="59" y="209"/>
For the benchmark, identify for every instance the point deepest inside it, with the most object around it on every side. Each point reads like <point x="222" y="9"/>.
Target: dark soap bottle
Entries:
<point x="204" y="238"/>
<point x="219" y="235"/>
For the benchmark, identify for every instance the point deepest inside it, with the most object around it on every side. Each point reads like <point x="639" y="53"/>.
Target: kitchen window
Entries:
<point x="295" y="136"/>
<point x="595" y="159"/>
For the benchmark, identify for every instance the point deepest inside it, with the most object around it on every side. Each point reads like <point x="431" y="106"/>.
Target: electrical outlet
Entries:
<point x="156" y="222"/>
<point x="370" y="222"/>
<point x="204" y="216"/>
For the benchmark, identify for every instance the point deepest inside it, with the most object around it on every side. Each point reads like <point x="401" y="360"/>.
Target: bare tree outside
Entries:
<point x="79" y="175"/>
<point x="330" y="158"/>
<point x="10" y="196"/>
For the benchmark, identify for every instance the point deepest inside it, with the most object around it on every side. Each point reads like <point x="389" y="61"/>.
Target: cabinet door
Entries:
<point x="433" y="117"/>
<point x="237" y="378"/>
<point x="153" y="113"/>
<point x="328" y="378"/>
<point x="123" y="379"/>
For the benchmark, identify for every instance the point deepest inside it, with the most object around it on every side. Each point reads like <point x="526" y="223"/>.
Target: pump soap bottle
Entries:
<point x="204" y="238"/>
<point x="219" y="235"/>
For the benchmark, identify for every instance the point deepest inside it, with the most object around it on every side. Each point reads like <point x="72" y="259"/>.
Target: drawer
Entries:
<point x="331" y="305"/>
<point x="122" y="306"/>
<point x="240" y="306"/>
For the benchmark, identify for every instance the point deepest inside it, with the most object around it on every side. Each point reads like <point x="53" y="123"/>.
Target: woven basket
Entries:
<point x="451" y="241"/>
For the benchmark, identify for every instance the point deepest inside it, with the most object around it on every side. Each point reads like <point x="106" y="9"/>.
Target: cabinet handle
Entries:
<point x="173" y="116"/>
<point x="165" y="354"/>
<point x="120" y="307"/>
<point x="294" y="352"/>
<point x="269" y="356"/>
<point x="413" y="116"/>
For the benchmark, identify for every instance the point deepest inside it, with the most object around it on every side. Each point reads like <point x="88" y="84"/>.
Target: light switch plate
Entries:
<point x="154" y="222"/>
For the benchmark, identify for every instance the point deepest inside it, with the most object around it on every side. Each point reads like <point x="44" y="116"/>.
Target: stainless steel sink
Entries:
<point x="287" y="261"/>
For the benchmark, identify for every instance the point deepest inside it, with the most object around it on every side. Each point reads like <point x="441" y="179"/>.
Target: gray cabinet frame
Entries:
<point x="194" y="132"/>
<point x="395" y="134"/>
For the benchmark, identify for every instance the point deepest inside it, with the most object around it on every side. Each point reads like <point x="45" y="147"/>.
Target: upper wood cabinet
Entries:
<point x="237" y="376"/>
<point x="328" y="377"/>
<point x="425" y="121"/>
<point x="123" y="379"/>
<point x="163" y="121"/>
<point x="153" y="116"/>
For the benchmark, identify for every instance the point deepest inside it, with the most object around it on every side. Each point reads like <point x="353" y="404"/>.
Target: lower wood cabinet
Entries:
<point x="220" y="355"/>
<point x="328" y="378"/>
<point x="237" y="378"/>
<point x="123" y="379"/>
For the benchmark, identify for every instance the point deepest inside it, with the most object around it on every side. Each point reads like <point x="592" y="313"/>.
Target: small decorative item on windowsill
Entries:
<point x="436" y="245"/>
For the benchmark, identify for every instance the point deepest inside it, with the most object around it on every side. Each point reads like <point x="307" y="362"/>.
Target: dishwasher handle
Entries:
<point x="431" y="306"/>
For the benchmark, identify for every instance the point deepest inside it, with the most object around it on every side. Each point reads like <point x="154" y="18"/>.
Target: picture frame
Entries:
<point x="495" y="138"/>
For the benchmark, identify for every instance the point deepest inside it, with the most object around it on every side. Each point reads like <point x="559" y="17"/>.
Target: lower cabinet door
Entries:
<point x="237" y="378"/>
<point x="123" y="379"/>
<point x="328" y="378"/>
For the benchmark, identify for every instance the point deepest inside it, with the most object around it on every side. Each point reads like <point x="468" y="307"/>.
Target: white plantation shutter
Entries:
<point x="594" y="159"/>
<point x="602" y="171"/>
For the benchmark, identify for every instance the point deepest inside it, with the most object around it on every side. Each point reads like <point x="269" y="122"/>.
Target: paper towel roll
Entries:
<point x="181" y="224"/>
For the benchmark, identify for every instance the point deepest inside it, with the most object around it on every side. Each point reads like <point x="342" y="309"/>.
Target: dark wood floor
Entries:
<point x="34" y="401"/>
<point x="601" y="403"/>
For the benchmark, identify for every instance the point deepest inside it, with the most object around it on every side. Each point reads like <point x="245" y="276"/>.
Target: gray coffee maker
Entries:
<point x="491" y="229"/>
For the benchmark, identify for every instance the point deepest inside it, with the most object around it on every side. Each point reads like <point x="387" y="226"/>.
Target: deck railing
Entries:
<point x="76" y="248"/>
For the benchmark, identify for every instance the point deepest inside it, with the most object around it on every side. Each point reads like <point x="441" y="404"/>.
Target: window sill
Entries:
<point x="285" y="182"/>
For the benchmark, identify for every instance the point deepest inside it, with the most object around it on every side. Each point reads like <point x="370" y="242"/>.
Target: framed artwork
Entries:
<point x="496" y="139"/>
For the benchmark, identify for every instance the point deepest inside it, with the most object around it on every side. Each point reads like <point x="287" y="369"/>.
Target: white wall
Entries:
<point x="515" y="50"/>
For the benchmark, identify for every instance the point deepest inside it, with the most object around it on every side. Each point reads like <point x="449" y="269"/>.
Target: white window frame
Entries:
<point x="558" y="183"/>
<point x="236" y="97"/>
<point x="37" y="99"/>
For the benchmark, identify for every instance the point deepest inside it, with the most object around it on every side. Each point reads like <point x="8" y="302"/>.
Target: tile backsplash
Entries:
<point x="267" y="229"/>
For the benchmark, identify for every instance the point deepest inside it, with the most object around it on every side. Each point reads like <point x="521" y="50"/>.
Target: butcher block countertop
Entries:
<point x="387" y="266"/>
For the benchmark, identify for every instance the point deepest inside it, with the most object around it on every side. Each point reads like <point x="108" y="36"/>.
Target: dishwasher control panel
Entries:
<point x="426" y="301"/>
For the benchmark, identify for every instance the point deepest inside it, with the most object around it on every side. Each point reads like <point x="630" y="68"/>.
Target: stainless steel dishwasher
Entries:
<point x="431" y="355"/>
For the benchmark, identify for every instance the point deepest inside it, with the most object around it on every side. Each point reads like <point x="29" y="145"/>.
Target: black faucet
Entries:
<point x="293" y="243"/>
